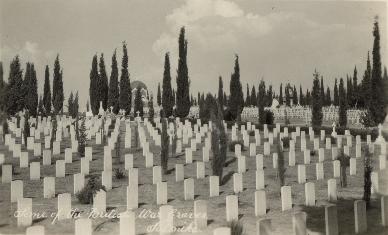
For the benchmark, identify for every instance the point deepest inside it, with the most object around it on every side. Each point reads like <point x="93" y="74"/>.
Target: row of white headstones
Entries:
<point x="184" y="131"/>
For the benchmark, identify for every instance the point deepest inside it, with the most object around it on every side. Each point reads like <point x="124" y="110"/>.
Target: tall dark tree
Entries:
<point x="366" y="85"/>
<point x="269" y="96"/>
<point x="159" y="96"/>
<point x="253" y="97"/>
<point x="138" y="109"/>
<point x="70" y="104"/>
<point x="343" y="104"/>
<point x="376" y="107"/>
<point x="328" y="97"/>
<point x="113" y="94"/>
<point x="349" y="91"/>
<point x="336" y="96"/>
<point x="75" y="105"/>
<point x="261" y="99"/>
<point x="167" y="95"/>
<point x="294" y="96"/>
<point x="322" y="89"/>
<point x="58" y="96"/>
<point x="47" y="92"/>
<point x="40" y="106"/>
<point x="248" y="97"/>
<point x="301" y="97"/>
<point x="220" y="96"/>
<point x="385" y="80"/>
<point x="317" y="114"/>
<point x="287" y="94"/>
<point x="125" y="87"/>
<point x="151" y="110"/>
<point x="25" y="87"/>
<point x="15" y="82"/>
<point x="103" y="84"/>
<point x="356" y="92"/>
<point x="236" y="98"/>
<point x="308" y="97"/>
<point x="281" y="94"/>
<point x="182" y="80"/>
<point x="93" y="87"/>
<point x="32" y="92"/>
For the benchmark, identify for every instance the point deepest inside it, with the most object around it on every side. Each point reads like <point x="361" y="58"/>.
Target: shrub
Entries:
<point x="251" y="133"/>
<point x="269" y="117"/>
<point x="313" y="153"/>
<point x="333" y="140"/>
<point x="286" y="142"/>
<point x="5" y="128"/>
<point x="85" y="196"/>
<point x="119" y="174"/>
<point x="236" y="228"/>
<point x="233" y="143"/>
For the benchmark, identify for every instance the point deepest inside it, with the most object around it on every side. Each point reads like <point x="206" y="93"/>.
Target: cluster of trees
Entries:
<point x="22" y="93"/>
<point x="117" y="95"/>
<point x="181" y="98"/>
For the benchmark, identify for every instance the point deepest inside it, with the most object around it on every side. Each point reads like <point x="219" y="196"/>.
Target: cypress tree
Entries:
<point x="82" y="138"/>
<point x="167" y="94"/>
<point x="125" y="87"/>
<point x="261" y="99"/>
<point x="376" y="107"/>
<point x="295" y="96"/>
<point x="93" y="87"/>
<point x="328" y="97"/>
<point x="301" y="97"/>
<point x="336" y="97"/>
<point x="342" y="105"/>
<point x="75" y="105"/>
<point x="225" y="99"/>
<point x="287" y="94"/>
<point x="32" y="92"/>
<point x="40" y="106"/>
<point x="47" y="92"/>
<point x="322" y="90"/>
<point x="58" y="96"/>
<point x="281" y="94"/>
<point x="220" y="92"/>
<point x="87" y="106"/>
<point x="103" y="84"/>
<point x="317" y="114"/>
<point x="308" y="98"/>
<point x="24" y="102"/>
<point x="165" y="146"/>
<point x="385" y="80"/>
<point x="253" y="96"/>
<point x="70" y="105"/>
<point x="13" y="95"/>
<point x="269" y="96"/>
<point x="219" y="143"/>
<point x="113" y="94"/>
<point x="138" y="103"/>
<point x="356" y="92"/>
<point x="151" y="110"/>
<point x="349" y="94"/>
<point x="159" y="96"/>
<point x="236" y="99"/>
<point x="366" y="85"/>
<point x="182" y="80"/>
<point x="248" y="98"/>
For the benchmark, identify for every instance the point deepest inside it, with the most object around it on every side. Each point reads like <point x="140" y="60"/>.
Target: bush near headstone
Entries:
<point x="85" y="196"/>
<point x="236" y="228"/>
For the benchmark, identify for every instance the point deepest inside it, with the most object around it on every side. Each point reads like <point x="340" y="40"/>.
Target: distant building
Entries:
<point x="144" y="92"/>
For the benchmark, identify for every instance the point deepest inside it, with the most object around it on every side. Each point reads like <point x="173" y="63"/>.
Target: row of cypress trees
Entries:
<point x="22" y="93"/>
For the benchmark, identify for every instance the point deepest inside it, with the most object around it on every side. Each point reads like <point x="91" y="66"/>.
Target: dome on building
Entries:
<point x="136" y="84"/>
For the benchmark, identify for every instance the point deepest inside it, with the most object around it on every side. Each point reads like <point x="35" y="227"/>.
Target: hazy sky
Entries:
<point x="278" y="41"/>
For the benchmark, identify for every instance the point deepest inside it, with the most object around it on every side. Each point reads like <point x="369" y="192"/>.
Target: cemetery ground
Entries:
<point x="216" y="212"/>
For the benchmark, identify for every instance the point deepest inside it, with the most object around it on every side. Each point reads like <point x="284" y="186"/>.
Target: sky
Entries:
<point x="278" y="41"/>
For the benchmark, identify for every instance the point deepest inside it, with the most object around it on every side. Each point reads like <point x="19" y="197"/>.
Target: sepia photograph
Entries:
<point x="180" y="117"/>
